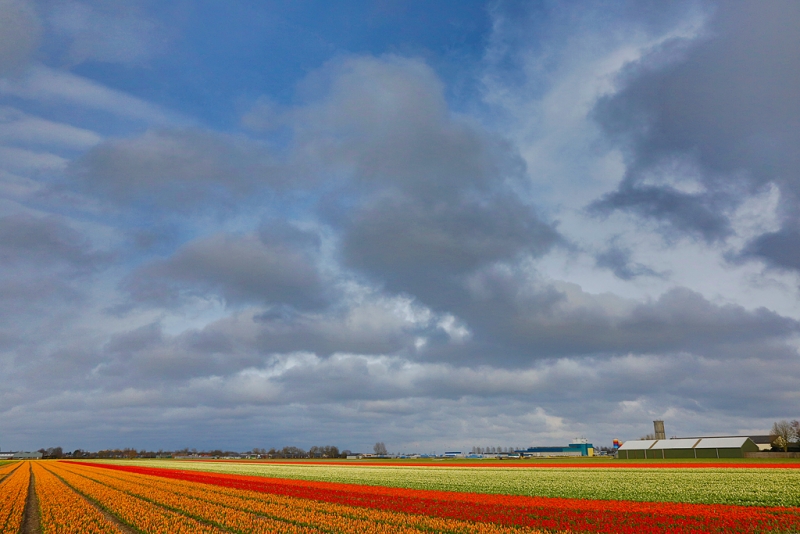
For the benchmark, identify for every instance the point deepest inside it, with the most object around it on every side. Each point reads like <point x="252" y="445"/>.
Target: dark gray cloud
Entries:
<point x="719" y="112"/>
<point x="680" y="213"/>
<point x="516" y="320"/>
<point x="42" y="261"/>
<point x="241" y="269"/>
<point x="26" y="240"/>
<point x="425" y="248"/>
<point x="145" y="357"/>
<point x="177" y="170"/>
<point x="385" y="123"/>
<point x="20" y="32"/>
<point x="618" y="260"/>
<point x="779" y="249"/>
<point x="427" y="196"/>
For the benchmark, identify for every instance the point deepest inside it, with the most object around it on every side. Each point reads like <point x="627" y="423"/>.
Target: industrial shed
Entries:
<point x="728" y="447"/>
<point x="725" y="447"/>
<point x="636" y="449"/>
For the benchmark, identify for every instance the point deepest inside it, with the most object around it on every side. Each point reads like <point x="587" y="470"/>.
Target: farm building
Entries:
<point x="20" y="455"/>
<point x="764" y="441"/>
<point x="727" y="447"/>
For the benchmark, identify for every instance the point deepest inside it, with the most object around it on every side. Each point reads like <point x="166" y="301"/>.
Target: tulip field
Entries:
<point x="185" y="496"/>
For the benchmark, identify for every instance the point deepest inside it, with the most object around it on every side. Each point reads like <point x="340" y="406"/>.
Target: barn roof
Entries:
<point x="722" y="443"/>
<point x="675" y="443"/>
<point x="637" y="444"/>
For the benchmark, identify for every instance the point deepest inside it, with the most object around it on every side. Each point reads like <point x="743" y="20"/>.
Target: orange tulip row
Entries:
<point x="136" y="512"/>
<point x="13" y="493"/>
<point x="6" y="469"/>
<point x="65" y="512"/>
<point x="249" y="511"/>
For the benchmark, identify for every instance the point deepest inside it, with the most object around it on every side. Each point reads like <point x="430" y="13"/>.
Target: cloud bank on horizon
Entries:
<point x="486" y="224"/>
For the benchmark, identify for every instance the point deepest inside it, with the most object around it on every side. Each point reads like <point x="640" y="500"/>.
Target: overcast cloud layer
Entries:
<point x="477" y="224"/>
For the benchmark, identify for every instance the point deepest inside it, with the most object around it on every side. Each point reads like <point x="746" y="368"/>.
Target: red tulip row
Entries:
<point x="532" y="512"/>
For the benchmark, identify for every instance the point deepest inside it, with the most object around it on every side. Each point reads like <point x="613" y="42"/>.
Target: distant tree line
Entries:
<point x="326" y="451"/>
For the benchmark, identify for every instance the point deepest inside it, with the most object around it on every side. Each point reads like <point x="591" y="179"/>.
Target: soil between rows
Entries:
<point x="30" y="516"/>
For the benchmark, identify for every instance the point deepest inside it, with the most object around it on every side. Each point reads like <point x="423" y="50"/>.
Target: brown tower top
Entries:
<point x="658" y="426"/>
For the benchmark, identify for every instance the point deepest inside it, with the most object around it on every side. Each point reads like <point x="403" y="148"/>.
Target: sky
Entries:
<point x="437" y="225"/>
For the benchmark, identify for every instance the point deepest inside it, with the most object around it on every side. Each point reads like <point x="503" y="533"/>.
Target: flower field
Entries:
<point x="76" y="497"/>
<point x="713" y="485"/>
<point x="167" y="505"/>
<point x="63" y="510"/>
<point x="13" y="491"/>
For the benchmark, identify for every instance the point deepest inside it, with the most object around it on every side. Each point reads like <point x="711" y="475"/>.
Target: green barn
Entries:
<point x="653" y="449"/>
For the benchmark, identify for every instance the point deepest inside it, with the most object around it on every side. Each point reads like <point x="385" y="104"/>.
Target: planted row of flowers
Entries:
<point x="132" y="510"/>
<point x="546" y="464"/>
<point x="513" y="511"/>
<point x="252" y="511"/>
<point x="750" y="487"/>
<point x="13" y="494"/>
<point x="62" y="511"/>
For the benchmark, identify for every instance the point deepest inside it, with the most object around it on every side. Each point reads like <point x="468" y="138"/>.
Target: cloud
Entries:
<point x="45" y="266"/>
<point x="779" y="249"/>
<point x="516" y="319"/>
<point x="427" y="196"/>
<point x="47" y="85"/>
<point x="717" y="115"/>
<point x="681" y="213"/>
<point x="18" y="128"/>
<point x="20" y="32"/>
<point x="386" y="123"/>
<point x="238" y="269"/>
<point x="177" y="170"/>
<point x="618" y="260"/>
<point x="46" y="242"/>
<point x="114" y="32"/>
<point x="424" y="248"/>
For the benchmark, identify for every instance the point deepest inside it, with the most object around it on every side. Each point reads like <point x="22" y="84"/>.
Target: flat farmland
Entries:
<point x="189" y="496"/>
<point x="701" y="483"/>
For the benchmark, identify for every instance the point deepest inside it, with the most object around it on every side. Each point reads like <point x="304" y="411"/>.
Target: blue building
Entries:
<point x="579" y="447"/>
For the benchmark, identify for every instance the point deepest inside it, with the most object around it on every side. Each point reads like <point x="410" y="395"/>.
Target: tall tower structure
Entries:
<point x="658" y="426"/>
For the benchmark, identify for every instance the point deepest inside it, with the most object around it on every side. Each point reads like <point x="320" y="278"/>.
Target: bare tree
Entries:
<point x="380" y="449"/>
<point x="782" y="434"/>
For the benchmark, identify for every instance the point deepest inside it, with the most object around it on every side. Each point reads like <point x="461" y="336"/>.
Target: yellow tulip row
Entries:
<point x="248" y="511"/>
<point x="13" y="494"/>
<point x="65" y="512"/>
